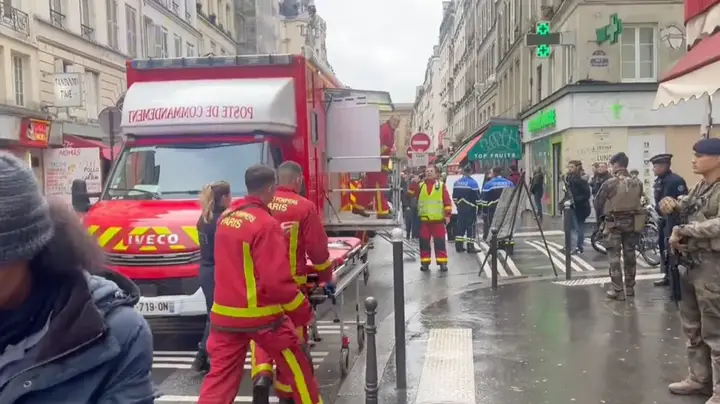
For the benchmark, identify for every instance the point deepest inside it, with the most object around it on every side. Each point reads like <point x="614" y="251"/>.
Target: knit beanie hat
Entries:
<point x="25" y="223"/>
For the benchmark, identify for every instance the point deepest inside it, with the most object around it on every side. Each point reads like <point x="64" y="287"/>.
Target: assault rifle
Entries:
<point x="673" y="258"/>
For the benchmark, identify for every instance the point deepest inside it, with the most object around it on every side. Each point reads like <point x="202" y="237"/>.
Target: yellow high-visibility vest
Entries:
<point x="430" y="206"/>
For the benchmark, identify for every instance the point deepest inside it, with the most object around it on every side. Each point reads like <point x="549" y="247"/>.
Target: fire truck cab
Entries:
<point x="187" y="122"/>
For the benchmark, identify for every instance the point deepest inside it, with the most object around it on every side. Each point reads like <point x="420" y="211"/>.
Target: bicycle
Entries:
<point x="647" y="246"/>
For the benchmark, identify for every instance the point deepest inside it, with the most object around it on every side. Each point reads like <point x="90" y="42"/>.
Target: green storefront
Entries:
<point x="499" y="146"/>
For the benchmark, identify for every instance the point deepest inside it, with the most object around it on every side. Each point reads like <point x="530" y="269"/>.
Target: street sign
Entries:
<point x="408" y="152"/>
<point x="420" y="159"/>
<point x="420" y="142"/>
<point x="109" y="120"/>
<point x="542" y="40"/>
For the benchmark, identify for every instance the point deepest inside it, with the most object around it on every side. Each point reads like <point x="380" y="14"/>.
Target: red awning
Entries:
<point x="464" y="150"/>
<point x="82" y="143"/>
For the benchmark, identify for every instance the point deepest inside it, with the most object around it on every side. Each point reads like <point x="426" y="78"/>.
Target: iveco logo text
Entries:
<point x="151" y="239"/>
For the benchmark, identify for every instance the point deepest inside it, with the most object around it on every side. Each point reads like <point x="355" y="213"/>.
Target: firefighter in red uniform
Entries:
<point x="253" y="292"/>
<point x="434" y="209"/>
<point x="380" y="179"/>
<point x="305" y="236"/>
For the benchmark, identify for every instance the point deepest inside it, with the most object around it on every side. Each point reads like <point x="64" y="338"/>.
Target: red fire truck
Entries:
<point x="187" y="122"/>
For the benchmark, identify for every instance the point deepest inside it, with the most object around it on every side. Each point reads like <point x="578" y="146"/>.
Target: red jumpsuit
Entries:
<point x="377" y="201"/>
<point x="253" y="293"/>
<point x="305" y="236"/>
<point x="432" y="229"/>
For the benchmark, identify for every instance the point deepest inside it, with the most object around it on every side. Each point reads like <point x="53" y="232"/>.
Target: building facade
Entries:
<point x="302" y="30"/>
<point x="256" y="22"/>
<point x="216" y="23"/>
<point x="428" y="115"/>
<point x="444" y="70"/>
<point x="589" y="102"/>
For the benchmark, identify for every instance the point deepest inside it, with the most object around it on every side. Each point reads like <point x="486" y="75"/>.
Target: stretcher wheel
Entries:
<point x="361" y="337"/>
<point x="344" y="361"/>
<point x="366" y="276"/>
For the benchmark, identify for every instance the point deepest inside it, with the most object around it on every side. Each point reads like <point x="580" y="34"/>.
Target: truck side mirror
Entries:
<point x="80" y="197"/>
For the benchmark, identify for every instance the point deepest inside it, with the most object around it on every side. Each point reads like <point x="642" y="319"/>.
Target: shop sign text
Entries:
<point x="543" y="120"/>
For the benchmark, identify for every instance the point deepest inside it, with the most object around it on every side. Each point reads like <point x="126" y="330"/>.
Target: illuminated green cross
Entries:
<point x="614" y="29"/>
<point x="542" y="28"/>
<point x="543" y="51"/>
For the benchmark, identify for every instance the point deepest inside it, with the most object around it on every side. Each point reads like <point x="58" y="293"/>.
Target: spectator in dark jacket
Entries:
<point x="600" y="175"/>
<point x="514" y="176"/>
<point x="214" y="199"/>
<point x="537" y="189"/>
<point x="577" y="190"/>
<point x="66" y="336"/>
<point x="412" y="219"/>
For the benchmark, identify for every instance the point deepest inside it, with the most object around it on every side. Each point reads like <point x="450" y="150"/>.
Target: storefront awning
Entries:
<point x="499" y="142"/>
<point x="460" y="155"/>
<point x="695" y="75"/>
<point x="698" y="72"/>
<point x="82" y="143"/>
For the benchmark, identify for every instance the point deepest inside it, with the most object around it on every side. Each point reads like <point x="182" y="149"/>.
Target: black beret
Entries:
<point x="663" y="158"/>
<point x="617" y="157"/>
<point x="709" y="147"/>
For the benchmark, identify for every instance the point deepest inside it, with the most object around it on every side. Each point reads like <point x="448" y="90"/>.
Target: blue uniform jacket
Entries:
<point x="466" y="193"/>
<point x="491" y="192"/>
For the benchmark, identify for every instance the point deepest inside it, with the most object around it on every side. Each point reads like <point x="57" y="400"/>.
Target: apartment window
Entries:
<point x="178" y="46"/>
<point x="148" y="38"/>
<point x="190" y="50"/>
<point x="189" y="4"/>
<point x="131" y="21"/>
<point x="638" y="54"/>
<point x="86" y="24"/>
<point x="538" y="86"/>
<point x="18" y="68"/>
<point x="213" y="47"/>
<point x="228" y="16"/>
<point x="162" y="38"/>
<point x="112" y="23"/>
<point x="62" y="66"/>
<point x="57" y="17"/>
<point x="92" y="94"/>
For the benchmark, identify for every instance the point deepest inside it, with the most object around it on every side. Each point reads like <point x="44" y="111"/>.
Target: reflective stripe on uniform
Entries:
<point x="293" y="245"/>
<point x="279" y="386"/>
<point x="321" y="267"/>
<point x="298" y="377"/>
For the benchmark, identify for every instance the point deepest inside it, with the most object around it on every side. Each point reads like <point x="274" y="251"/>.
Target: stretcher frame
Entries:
<point x="347" y="274"/>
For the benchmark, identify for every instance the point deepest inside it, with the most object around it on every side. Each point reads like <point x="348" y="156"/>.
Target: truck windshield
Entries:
<point x="179" y="171"/>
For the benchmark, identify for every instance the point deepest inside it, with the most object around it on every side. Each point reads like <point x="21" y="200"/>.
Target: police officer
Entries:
<point x="619" y="204"/>
<point x="466" y="194"/>
<point x="698" y="242"/>
<point x="667" y="183"/>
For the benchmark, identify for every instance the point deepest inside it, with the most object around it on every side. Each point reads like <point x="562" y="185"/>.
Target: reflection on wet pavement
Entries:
<point x="538" y="342"/>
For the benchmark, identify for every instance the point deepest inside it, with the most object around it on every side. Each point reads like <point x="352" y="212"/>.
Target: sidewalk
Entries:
<point x="534" y="343"/>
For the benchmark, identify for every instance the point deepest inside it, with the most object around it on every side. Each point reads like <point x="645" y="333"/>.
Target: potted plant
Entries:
<point x="213" y="18"/>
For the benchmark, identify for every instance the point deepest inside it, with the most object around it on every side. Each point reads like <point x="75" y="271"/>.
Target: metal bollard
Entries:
<point x="567" y="228"/>
<point x="371" y="365"/>
<point x="399" y="300"/>
<point x="494" y="258"/>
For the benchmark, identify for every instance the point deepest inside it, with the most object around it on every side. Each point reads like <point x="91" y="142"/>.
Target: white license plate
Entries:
<point x="155" y="307"/>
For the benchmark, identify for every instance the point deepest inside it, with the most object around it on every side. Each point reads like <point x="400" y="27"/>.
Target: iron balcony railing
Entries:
<point x="15" y="19"/>
<point x="87" y="32"/>
<point x="57" y="18"/>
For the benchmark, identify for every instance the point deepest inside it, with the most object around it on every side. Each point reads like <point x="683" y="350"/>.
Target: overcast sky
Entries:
<point x="381" y="44"/>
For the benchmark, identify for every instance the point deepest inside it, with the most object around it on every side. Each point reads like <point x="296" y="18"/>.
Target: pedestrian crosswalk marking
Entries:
<point x="448" y="373"/>
<point x="604" y="280"/>
<point x="184" y="359"/>
<point x="559" y="265"/>
<point x="639" y="258"/>
<point x="483" y="251"/>
<point x="557" y="248"/>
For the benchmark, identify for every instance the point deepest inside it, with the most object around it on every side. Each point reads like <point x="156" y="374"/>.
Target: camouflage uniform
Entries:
<point x="619" y="202"/>
<point x="700" y="286"/>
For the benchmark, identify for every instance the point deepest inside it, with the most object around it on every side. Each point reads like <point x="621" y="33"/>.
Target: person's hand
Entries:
<point x="668" y="205"/>
<point x="447" y="219"/>
<point x="675" y="240"/>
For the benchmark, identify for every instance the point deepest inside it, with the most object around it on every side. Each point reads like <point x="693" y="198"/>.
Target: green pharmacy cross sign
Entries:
<point x="543" y="120"/>
<point x="543" y="29"/>
<point x="611" y="32"/>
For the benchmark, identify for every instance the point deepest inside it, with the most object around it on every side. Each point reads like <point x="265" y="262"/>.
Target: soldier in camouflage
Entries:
<point x="618" y="203"/>
<point x="698" y="242"/>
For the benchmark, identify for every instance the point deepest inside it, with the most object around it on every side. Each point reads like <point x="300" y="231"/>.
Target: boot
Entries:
<point x="615" y="295"/>
<point x="201" y="362"/>
<point x="443" y="268"/>
<point x="261" y="390"/>
<point x="424" y="267"/>
<point x="286" y="401"/>
<point x="460" y="247"/>
<point x="662" y="282"/>
<point x="690" y="387"/>
<point x="471" y="248"/>
<point x="630" y="291"/>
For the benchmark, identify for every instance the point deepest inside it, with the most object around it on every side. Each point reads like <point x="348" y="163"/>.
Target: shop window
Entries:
<point x="639" y="54"/>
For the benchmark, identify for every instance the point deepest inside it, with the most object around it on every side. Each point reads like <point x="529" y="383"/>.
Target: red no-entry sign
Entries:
<point x="420" y="142"/>
<point x="408" y="152"/>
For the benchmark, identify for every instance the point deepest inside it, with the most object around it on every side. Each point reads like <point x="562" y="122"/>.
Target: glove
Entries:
<point x="330" y="289"/>
<point x="668" y="205"/>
